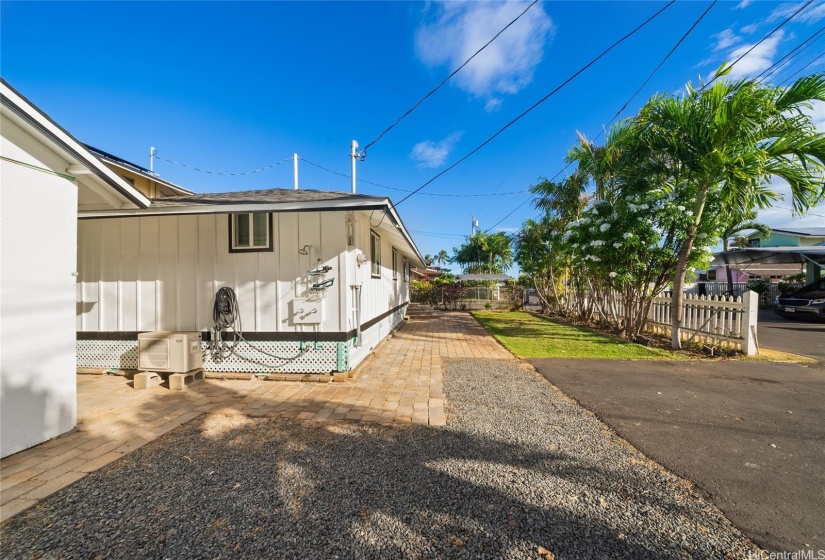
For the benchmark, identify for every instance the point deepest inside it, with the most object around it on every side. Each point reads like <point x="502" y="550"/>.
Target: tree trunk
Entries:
<point x="729" y="272"/>
<point x="681" y="268"/>
<point x="678" y="289"/>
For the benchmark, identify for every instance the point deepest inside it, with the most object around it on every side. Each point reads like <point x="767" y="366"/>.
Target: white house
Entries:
<point x="47" y="177"/>
<point x="320" y="277"/>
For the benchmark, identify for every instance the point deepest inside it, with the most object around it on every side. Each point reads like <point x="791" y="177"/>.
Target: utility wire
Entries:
<point x="220" y="172"/>
<point x="762" y="40"/>
<point x="776" y="66"/>
<point x="542" y="100"/>
<point x="408" y="190"/>
<point x="650" y="77"/>
<point x="789" y="78"/>
<point x="619" y="112"/>
<point x="445" y="80"/>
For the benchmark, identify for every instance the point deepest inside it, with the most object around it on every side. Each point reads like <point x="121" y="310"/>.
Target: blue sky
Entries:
<point x="233" y="87"/>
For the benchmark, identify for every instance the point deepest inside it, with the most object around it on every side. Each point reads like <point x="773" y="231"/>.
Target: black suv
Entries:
<point x="807" y="302"/>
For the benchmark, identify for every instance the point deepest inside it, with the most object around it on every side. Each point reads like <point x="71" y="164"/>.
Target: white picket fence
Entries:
<point x="721" y="288"/>
<point x="719" y="321"/>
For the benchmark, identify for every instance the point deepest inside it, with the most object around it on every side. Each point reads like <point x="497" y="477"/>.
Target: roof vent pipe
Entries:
<point x="354" y="155"/>
<point x="295" y="170"/>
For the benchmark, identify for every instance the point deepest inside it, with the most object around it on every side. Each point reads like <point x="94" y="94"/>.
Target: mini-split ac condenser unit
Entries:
<point x="172" y="352"/>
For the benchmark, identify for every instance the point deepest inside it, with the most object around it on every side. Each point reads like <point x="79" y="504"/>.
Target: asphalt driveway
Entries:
<point x="791" y="335"/>
<point x="750" y="434"/>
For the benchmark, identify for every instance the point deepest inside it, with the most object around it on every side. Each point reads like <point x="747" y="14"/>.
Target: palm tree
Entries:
<point x="736" y="225"/>
<point x="428" y="260"/>
<point x="721" y="144"/>
<point x="442" y="257"/>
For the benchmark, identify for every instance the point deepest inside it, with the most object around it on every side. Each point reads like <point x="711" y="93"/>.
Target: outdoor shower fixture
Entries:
<point x="307" y="250"/>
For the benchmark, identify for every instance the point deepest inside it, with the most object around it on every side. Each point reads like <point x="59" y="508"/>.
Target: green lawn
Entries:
<point x="531" y="336"/>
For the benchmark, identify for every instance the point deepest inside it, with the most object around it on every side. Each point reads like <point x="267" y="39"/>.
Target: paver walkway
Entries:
<point x="402" y="382"/>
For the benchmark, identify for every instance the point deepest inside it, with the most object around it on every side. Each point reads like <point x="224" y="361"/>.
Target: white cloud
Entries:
<point x="759" y="59"/>
<point x="725" y="39"/>
<point x="506" y="66"/>
<point x="811" y="14"/>
<point x="781" y="215"/>
<point x="508" y="229"/>
<point x="743" y="4"/>
<point x="432" y="154"/>
<point x="748" y="29"/>
<point x="817" y="114"/>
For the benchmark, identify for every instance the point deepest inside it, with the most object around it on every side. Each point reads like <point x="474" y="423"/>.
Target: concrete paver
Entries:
<point x="400" y="383"/>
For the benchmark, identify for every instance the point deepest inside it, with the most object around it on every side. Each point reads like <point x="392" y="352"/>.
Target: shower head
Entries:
<point x="304" y="250"/>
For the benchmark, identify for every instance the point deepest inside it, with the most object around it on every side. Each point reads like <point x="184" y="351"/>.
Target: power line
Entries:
<point x="776" y="66"/>
<point x="445" y="80"/>
<point x="409" y="191"/>
<point x="762" y="40"/>
<point x="789" y="78"/>
<point x="665" y="59"/>
<point x="501" y="183"/>
<point x="540" y="101"/>
<point x="619" y="112"/>
<point x="220" y="172"/>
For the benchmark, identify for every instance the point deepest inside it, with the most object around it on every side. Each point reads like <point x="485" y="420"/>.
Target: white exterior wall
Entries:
<point x="382" y="294"/>
<point x="38" y="395"/>
<point x="161" y="273"/>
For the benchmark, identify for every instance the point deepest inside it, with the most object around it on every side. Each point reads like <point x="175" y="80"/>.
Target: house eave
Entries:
<point x="36" y="120"/>
<point x="240" y="208"/>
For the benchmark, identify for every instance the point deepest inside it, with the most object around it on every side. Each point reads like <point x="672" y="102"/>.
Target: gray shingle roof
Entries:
<point x="269" y="196"/>
<point x="804" y="231"/>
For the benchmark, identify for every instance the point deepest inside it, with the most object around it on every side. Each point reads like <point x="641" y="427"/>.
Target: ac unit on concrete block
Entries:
<point x="173" y="352"/>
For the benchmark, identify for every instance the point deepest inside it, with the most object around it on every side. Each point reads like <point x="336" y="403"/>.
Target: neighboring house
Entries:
<point x="148" y="183"/>
<point x="788" y="237"/>
<point x="47" y="177"/>
<point x="285" y="253"/>
<point x="427" y="273"/>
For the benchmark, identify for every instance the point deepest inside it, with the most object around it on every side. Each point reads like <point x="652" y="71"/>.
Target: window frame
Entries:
<point x="406" y="268"/>
<point x="375" y="254"/>
<point x="267" y="248"/>
<point x="394" y="263"/>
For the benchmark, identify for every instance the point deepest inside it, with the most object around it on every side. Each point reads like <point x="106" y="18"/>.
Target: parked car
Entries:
<point x="806" y="302"/>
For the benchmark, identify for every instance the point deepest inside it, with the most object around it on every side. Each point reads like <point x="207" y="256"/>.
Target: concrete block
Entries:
<point x="179" y="381"/>
<point x="146" y="379"/>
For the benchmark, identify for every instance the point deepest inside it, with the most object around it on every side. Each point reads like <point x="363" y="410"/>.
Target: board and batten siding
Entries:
<point x="381" y="294"/>
<point x="162" y="272"/>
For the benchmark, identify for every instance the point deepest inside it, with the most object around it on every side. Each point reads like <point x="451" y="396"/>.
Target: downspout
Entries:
<point x="357" y="303"/>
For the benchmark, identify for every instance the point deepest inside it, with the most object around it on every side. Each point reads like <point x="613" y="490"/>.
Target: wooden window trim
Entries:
<point x="375" y="263"/>
<point x="270" y="242"/>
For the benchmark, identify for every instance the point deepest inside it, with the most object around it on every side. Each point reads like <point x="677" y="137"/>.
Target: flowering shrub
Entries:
<point x="622" y="253"/>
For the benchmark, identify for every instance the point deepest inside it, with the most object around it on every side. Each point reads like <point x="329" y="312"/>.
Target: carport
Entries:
<point x="754" y="257"/>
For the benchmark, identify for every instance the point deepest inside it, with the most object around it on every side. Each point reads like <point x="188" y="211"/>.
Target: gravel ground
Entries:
<point x="519" y="472"/>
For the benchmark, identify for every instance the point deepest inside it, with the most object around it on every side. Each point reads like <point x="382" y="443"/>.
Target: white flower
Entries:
<point x="702" y="235"/>
<point x="680" y="208"/>
<point x="597" y="243"/>
<point x="617" y="245"/>
<point x="575" y="245"/>
<point x="613" y="274"/>
<point x="627" y="235"/>
<point x="688" y="213"/>
<point x="593" y="258"/>
<point x="644" y="206"/>
<point x="633" y="207"/>
<point x="604" y="227"/>
<point x="584" y="220"/>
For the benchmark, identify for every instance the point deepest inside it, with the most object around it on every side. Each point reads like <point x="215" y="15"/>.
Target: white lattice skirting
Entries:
<point x="254" y="357"/>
